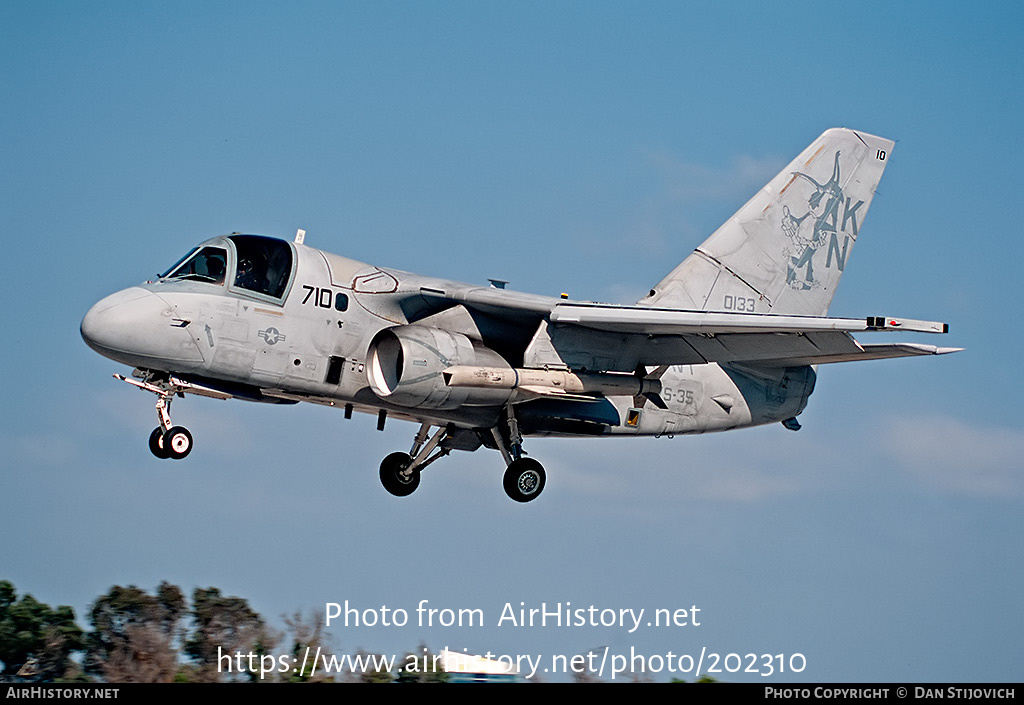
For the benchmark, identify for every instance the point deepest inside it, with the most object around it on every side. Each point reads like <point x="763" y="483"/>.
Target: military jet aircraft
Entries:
<point x="732" y="337"/>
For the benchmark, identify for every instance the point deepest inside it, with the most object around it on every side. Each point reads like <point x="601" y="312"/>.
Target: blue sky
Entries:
<point x="577" y="147"/>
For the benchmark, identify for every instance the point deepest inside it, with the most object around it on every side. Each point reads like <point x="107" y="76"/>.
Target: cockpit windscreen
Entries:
<point x="206" y="265"/>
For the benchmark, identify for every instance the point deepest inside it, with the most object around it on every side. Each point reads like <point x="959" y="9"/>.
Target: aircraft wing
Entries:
<point x="598" y="336"/>
<point x="619" y="337"/>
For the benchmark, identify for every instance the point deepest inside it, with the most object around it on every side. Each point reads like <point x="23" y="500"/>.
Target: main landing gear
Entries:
<point x="524" y="477"/>
<point x="400" y="472"/>
<point x="166" y="440"/>
<point x="523" y="480"/>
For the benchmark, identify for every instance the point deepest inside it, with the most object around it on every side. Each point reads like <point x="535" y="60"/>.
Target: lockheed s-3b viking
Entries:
<point x="732" y="337"/>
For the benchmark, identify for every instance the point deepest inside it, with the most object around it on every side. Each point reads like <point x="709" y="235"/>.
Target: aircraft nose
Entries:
<point x="137" y="327"/>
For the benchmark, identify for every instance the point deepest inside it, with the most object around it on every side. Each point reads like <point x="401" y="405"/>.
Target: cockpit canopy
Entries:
<point x="253" y="264"/>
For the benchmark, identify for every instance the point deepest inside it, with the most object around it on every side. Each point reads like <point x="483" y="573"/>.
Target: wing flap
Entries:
<point x="868" y="352"/>
<point x="753" y="347"/>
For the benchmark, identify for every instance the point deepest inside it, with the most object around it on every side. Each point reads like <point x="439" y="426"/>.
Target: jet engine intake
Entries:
<point x="406" y="362"/>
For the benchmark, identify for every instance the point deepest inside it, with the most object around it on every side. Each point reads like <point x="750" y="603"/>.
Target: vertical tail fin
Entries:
<point x="784" y="251"/>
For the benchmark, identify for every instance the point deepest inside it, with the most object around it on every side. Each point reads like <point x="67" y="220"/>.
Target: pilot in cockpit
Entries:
<point x="246" y="277"/>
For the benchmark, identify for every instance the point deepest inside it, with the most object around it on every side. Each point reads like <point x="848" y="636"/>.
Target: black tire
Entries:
<point x="156" y="444"/>
<point x="524" y="479"/>
<point x="178" y="442"/>
<point x="391" y="475"/>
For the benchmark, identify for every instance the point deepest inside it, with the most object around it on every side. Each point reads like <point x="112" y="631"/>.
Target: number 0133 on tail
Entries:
<point x="732" y="337"/>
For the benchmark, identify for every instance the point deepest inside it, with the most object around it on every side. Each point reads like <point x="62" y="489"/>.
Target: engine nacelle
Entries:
<point x="406" y="362"/>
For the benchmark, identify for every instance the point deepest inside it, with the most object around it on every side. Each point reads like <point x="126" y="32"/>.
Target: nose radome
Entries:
<point x="136" y="327"/>
<point x="103" y="323"/>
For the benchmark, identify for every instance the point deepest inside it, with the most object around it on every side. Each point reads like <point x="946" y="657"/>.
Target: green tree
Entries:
<point x="36" y="641"/>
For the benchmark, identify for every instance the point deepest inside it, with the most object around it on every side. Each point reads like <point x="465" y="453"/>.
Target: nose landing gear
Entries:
<point x="166" y="440"/>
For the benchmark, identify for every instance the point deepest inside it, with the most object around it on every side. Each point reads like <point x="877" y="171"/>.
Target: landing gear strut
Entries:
<point x="524" y="477"/>
<point x="400" y="472"/>
<point x="166" y="440"/>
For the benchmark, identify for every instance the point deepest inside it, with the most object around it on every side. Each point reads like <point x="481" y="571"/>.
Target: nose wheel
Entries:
<point x="178" y="442"/>
<point x="156" y="444"/>
<point x="175" y="442"/>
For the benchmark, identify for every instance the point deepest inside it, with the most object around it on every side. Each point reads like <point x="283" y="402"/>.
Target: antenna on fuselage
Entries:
<point x="300" y="235"/>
